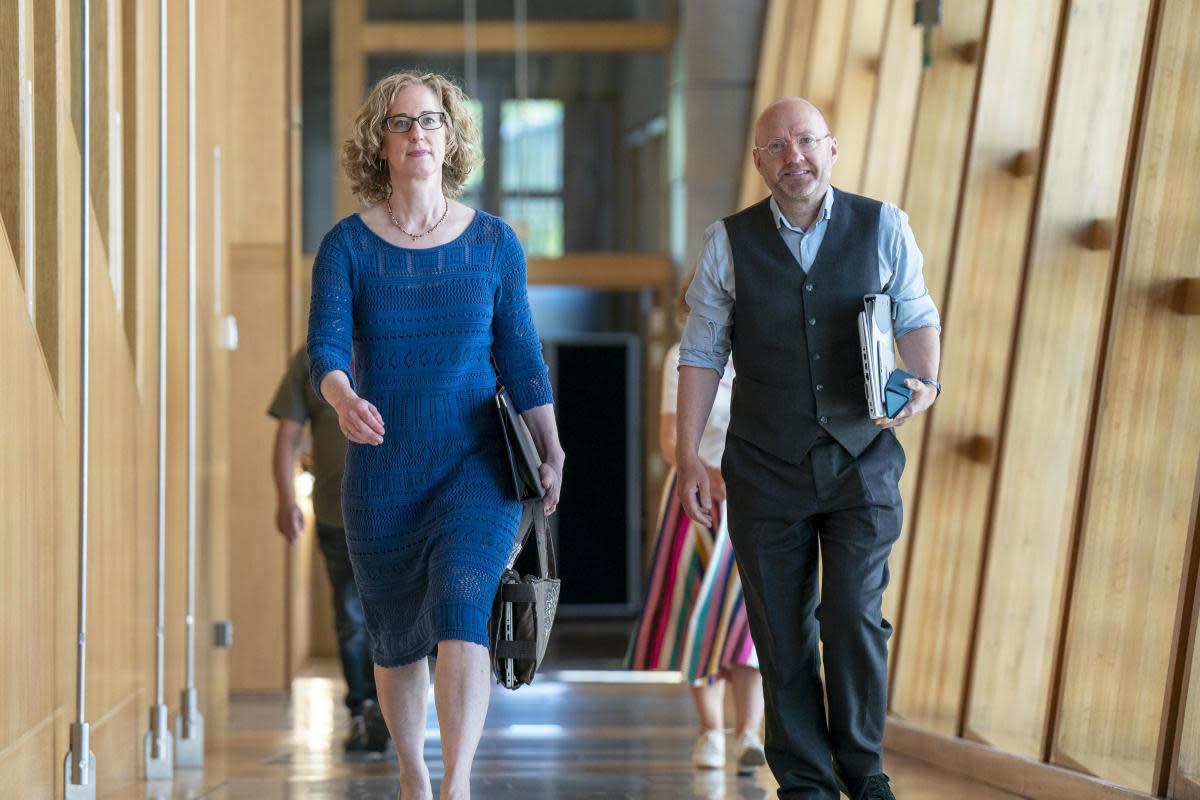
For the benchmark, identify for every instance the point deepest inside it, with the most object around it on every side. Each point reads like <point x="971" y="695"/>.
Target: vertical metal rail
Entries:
<point x="79" y="769"/>
<point x="189" y="726"/>
<point x="157" y="744"/>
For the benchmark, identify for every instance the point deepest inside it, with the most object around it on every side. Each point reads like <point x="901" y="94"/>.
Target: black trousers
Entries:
<point x="783" y="517"/>
<point x="354" y="649"/>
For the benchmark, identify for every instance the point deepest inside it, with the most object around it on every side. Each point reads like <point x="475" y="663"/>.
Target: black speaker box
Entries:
<point x="597" y="397"/>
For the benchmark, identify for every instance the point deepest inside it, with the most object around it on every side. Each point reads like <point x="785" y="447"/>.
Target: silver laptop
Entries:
<point x="878" y="346"/>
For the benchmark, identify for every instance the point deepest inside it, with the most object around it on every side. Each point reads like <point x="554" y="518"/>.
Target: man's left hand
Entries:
<point x="922" y="398"/>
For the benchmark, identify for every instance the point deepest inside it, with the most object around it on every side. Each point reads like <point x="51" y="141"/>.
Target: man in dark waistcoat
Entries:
<point x="810" y="478"/>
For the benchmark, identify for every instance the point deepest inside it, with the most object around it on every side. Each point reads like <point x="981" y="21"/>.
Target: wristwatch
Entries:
<point x="932" y="382"/>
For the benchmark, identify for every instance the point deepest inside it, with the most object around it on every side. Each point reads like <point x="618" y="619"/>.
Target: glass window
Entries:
<point x="531" y="161"/>
<point x="473" y="187"/>
<point x="538" y="222"/>
<point x="587" y="143"/>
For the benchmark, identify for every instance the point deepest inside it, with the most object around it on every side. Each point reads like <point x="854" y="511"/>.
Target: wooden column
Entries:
<point x="1115" y="706"/>
<point x="978" y="323"/>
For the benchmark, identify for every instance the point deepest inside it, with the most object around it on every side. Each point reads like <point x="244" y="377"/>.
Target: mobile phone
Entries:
<point x="896" y="393"/>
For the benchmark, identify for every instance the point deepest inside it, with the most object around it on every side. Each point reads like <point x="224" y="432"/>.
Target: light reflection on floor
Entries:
<point x="555" y="740"/>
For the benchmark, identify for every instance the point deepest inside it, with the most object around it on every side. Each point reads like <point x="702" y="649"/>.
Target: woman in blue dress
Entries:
<point x="411" y="298"/>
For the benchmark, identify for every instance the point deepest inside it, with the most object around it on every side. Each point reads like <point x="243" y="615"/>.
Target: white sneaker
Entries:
<point x="750" y="754"/>
<point x="709" y="752"/>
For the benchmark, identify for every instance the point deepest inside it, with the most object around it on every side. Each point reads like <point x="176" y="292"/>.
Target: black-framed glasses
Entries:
<point x="402" y="123"/>
<point x="806" y="143"/>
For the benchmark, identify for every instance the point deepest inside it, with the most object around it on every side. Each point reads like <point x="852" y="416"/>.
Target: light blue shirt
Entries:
<point x="707" y="334"/>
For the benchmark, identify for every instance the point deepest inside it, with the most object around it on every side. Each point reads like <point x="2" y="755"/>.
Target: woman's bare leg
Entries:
<point x="403" y="698"/>
<point x="747" y="699"/>
<point x="461" y="689"/>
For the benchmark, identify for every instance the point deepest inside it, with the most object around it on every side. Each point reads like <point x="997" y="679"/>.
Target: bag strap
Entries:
<point x="496" y="369"/>
<point x="547" y="557"/>
<point x="533" y="515"/>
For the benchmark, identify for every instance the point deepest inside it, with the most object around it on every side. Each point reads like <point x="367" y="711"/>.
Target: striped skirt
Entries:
<point x="694" y="615"/>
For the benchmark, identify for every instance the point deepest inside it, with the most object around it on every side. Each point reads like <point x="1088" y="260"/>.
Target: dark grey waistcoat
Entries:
<point x="795" y="337"/>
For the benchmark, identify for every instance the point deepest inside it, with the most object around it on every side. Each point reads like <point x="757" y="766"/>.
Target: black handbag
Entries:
<point x="523" y="458"/>
<point x="524" y="608"/>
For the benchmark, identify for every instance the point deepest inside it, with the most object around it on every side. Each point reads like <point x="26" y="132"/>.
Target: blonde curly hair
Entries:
<point x="368" y="172"/>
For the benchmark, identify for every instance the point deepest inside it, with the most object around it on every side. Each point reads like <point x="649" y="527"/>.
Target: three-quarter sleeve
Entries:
<point x="331" y="311"/>
<point x="515" y="342"/>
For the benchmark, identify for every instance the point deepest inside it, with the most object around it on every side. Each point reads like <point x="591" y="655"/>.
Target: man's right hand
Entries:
<point x="289" y="520"/>
<point x="694" y="490"/>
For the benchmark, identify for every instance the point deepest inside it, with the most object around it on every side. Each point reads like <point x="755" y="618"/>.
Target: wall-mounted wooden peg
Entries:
<point x="980" y="449"/>
<point x="871" y="64"/>
<point x="968" y="52"/>
<point x="1185" y="297"/>
<point x="1100" y="235"/>
<point x="1024" y="164"/>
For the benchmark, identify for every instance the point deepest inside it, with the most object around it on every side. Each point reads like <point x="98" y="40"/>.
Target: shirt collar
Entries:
<point x="782" y="222"/>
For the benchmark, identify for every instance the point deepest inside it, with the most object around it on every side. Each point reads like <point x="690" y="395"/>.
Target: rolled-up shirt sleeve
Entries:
<point x="706" y="340"/>
<point x="913" y="308"/>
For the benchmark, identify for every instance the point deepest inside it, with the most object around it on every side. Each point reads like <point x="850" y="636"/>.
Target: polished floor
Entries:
<point x="576" y="734"/>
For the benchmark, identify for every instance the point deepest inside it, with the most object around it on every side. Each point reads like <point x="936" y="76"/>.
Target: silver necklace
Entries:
<point x="415" y="236"/>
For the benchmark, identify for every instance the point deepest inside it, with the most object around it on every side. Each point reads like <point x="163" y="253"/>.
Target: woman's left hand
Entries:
<point x="551" y="475"/>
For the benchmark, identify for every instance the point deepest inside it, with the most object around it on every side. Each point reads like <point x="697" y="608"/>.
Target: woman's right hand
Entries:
<point x="359" y="420"/>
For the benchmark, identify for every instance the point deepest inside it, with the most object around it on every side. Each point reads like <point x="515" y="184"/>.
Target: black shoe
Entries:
<point x="356" y="739"/>
<point x="376" y="727"/>
<point x="874" y="787"/>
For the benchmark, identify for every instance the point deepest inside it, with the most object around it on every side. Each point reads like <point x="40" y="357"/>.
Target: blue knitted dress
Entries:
<point x="430" y="515"/>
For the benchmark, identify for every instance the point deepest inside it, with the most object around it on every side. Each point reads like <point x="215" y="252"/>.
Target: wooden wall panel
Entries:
<point x="1141" y="493"/>
<point x="780" y="41"/>
<point x="850" y="113"/>
<point x="259" y="291"/>
<point x="943" y="577"/>
<point x="798" y="46"/>
<point x="349" y="90"/>
<point x="1048" y="419"/>
<point x="28" y="767"/>
<point x="39" y="434"/>
<point x="10" y="123"/>
<point x="258" y="165"/>
<point x="939" y="146"/>
<point x="1185" y="751"/>
<point x="214" y="419"/>
<point x="886" y="164"/>
<point x="826" y="54"/>
<point x="258" y="572"/>
<point x="49" y="64"/>
<point x="29" y="499"/>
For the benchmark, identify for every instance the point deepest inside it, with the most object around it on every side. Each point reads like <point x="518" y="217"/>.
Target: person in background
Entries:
<point x="694" y="614"/>
<point x="295" y="403"/>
